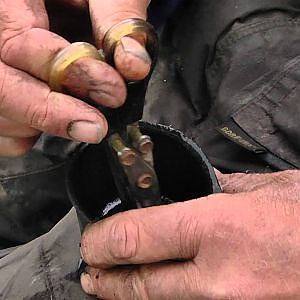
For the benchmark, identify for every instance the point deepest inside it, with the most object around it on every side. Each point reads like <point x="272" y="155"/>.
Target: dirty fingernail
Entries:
<point x="85" y="131"/>
<point x="87" y="284"/>
<point x="132" y="47"/>
<point x="98" y="95"/>
<point x="144" y="56"/>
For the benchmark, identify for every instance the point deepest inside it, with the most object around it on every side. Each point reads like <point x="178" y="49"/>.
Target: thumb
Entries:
<point x="131" y="59"/>
<point x="146" y="235"/>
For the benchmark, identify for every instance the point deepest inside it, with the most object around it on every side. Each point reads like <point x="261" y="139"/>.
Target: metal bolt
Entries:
<point x="142" y="142"/>
<point x="145" y="144"/>
<point x="145" y="181"/>
<point x="126" y="155"/>
<point x="134" y="131"/>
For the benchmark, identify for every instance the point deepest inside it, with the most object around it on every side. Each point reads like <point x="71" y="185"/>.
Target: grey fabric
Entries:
<point x="249" y="87"/>
<point x="45" y="268"/>
<point x="33" y="196"/>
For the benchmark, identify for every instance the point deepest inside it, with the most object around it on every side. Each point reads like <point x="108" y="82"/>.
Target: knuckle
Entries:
<point x="122" y="242"/>
<point x="10" y="39"/>
<point x="127" y="283"/>
<point x="192" y="280"/>
<point x="133" y="285"/>
<point x="189" y="237"/>
<point x="39" y="114"/>
<point x="87" y="247"/>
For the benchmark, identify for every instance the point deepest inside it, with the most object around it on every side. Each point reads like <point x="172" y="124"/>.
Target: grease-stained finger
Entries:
<point x="131" y="237"/>
<point x="131" y="58"/>
<point x="26" y="44"/>
<point x="161" y="281"/>
<point x="48" y="111"/>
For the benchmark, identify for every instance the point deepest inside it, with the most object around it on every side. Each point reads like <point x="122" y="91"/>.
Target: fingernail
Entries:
<point x="87" y="284"/>
<point x="141" y="55"/>
<point x="98" y="95"/>
<point x="129" y="48"/>
<point x="85" y="131"/>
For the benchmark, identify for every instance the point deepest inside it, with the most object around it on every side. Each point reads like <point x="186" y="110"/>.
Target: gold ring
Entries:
<point x="135" y="28"/>
<point x="64" y="58"/>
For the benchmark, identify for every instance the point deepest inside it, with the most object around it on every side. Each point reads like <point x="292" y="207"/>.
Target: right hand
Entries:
<point x="28" y="106"/>
<point x="240" y="244"/>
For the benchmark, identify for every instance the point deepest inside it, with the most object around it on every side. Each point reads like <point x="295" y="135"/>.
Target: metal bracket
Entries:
<point x="136" y="179"/>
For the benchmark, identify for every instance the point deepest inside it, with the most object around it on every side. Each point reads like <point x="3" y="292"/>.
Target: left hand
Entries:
<point x="27" y="46"/>
<point x="240" y="244"/>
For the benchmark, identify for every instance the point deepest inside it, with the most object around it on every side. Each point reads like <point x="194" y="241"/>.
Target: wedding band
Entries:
<point x="64" y="58"/>
<point x="135" y="28"/>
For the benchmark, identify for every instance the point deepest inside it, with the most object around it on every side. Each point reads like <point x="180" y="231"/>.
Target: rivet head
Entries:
<point x="127" y="157"/>
<point x="145" y="145"/>
<point x="145" y="181"/>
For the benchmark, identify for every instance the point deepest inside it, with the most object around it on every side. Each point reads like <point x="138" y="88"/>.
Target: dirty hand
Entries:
<point x="240" y="244"/>
<point x="28" y="106"/>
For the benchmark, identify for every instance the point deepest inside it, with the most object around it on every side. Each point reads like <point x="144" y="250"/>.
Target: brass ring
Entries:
<point x="135" y="28"/>
<point x="64" y="58"/>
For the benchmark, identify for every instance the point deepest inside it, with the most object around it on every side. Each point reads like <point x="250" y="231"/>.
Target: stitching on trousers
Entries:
<point x="245" y="31"/>
<point x="264" y="93"/>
